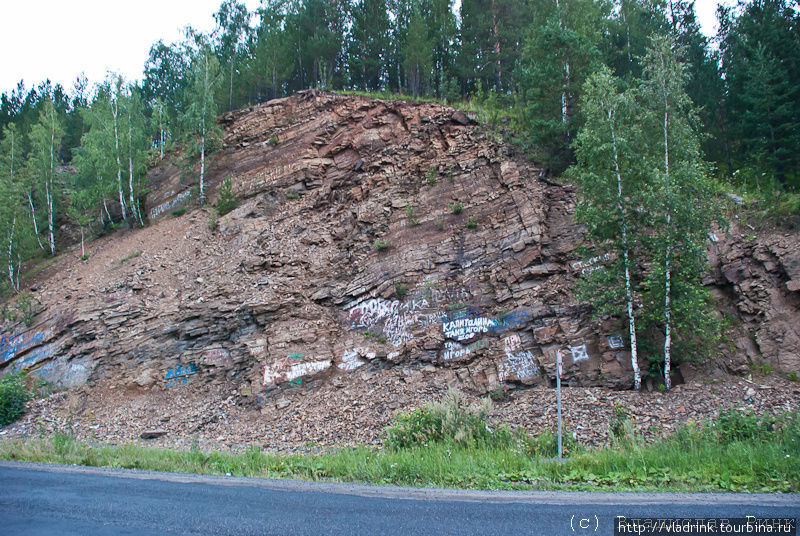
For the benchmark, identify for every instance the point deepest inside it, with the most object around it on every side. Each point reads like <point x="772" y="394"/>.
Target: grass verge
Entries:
<point x="738" y="452"/>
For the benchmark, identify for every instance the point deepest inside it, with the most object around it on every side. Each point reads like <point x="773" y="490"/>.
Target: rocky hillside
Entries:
<point x="385" y="240"/>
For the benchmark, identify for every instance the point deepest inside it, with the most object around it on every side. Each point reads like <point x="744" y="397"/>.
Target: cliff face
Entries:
<point x="370" y="235"/>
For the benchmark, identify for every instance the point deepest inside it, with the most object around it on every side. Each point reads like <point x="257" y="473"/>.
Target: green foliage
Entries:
<point x="620" y="425"/>
<point x="456" y="207"/>
<point x="293" y="195"/>
<point x="226" y="201"/>
<point x="178" y="212"/>
<point x="212" y="223"/>
<point x="273" y="140"/>
<point x="85" y="257"/>
<point x="400" y="290"/>
<point x="381" y="245"/>
<point x="452" y="420"/>
<point x="13" y="397"/>
<point x="472" y="222"/>
<point x="735" y="453"/>
<point x="27" y="306"/>
<point x="430" y="176"/>
<point x="734" y="425"/>
<point x="129" y="257"/>
<point x="412" y="222"/>
<point x="761" y="367"/>
<point x="792" y="376"/>
<point x="379" y="338"/>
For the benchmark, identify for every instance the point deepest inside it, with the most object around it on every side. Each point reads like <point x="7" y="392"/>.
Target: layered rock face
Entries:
<point x="370" y="235"/>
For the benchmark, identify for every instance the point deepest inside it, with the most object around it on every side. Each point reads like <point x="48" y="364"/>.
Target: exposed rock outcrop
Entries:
<point x="370" y="234"/>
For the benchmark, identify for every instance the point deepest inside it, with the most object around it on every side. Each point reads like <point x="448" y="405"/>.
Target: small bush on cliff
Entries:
<point x="13" y="397"/>
<point x="452" y="420"/>
<point x="226" y="201"/>
<point x="457" y="207"/>
<point x="381" y="245"/>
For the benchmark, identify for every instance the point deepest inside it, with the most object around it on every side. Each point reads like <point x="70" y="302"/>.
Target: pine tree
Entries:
<point x="417" y="56"/>
<point x="561" y="51"/>
<point x="368" y="44"/>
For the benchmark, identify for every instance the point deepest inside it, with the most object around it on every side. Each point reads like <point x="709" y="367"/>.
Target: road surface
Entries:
<point x="53" y="499"/>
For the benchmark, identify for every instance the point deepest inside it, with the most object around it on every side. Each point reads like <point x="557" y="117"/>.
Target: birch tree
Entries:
<point x="45" y="142"/>
<point x="116" y="90"/>
<point x="611" y="183"/>
<point x="201" y="114"/>
<point x="11" y="205"/>
<point x="682" y="205"/>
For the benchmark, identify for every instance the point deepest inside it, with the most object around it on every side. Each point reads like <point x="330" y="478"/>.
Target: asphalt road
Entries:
<point x="51" y="499"/>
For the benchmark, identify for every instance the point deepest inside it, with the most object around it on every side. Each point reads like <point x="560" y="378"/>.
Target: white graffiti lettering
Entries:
<point x="169" y="205"/>
<point x="466" y="328"/>
<point x="579" y="353"/>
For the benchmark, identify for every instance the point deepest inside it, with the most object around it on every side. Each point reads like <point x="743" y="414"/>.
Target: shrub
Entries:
<point x="410" y="214"/>
<point x="13" y="397"/>
<point x="430" y="177"/>
<point x="28" y="306"/>
<point x="457" y="207"/>
<point x="471" y="223"/>
<point x="400" y="289"/>
<point x="212" y="223"/>
<point x="179" y="212"/>
<point x="292" y="195"/>
<point x="452" y="420"/>
<point x="129" y="257"/>
<point x="85" y="257"/>
<point x="733" y="425"/>
<point x="273" y="140"/>
<point x="620" y="422"/>
<point x="381" y="245"/>
<point x="226" y="201"/>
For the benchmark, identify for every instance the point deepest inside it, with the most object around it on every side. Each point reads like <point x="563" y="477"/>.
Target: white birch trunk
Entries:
<point x="105" y="206"/>
<point x="203" y="138"/>
<point x="83" y="250"/>
<point x="114" y="113"/>
<point x="667" y="267"/>
<point x="11" y="254"/>
<point x="637" y="377"/>
<point x="161" y="132"/>
<point x="564" y="97"/>
<point x="130" y="159"/>
<point x="35" y="225"/>
<point x="49" y="189"/>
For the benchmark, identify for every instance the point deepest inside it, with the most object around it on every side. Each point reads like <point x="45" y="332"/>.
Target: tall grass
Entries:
<point x="738" y="452"/>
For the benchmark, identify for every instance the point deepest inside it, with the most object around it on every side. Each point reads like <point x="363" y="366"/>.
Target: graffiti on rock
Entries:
<point x="454" y="350"/>
<point x="517" y="362"/>
<point x="169" y="205"/>
<point x="281" y="372"/>
<point x="463" y="329"/>
<point x="590" y="265"/>
<point x="615" y="342"/>
<point x="393" y="318"/>
<point x="353" y="359"/>
<point x="217" y="356"/>
<point x="33" y="357"/>
<point x="179" y="375"/>
<point x="579" y="353"/>
<point x="17" y="343"/>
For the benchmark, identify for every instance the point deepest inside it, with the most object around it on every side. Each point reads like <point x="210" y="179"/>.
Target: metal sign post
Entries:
<point x="558" y="398"/>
